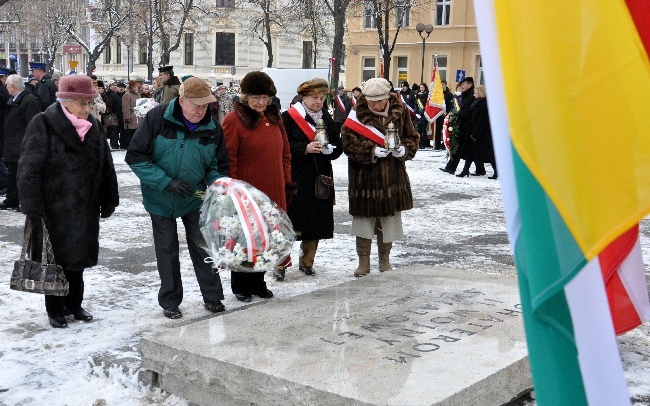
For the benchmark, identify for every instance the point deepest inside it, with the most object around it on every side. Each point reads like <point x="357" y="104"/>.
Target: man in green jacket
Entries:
<point x="179" y="149"/>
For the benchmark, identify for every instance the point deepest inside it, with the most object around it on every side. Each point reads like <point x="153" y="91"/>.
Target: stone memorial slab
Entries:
<point x="414" y="336"/>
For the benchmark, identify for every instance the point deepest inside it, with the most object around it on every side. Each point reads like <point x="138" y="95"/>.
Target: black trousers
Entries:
<point x="115" y="136"/>
<point x="12" y="187"/>
<point x="422" y="130"/>
<point x="165" y="237"/>
<point x="247" y="283"/>
<point x="55" y="305"/>
<point x="3" y="175"/>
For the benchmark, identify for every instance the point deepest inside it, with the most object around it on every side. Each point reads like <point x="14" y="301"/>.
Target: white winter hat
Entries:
<point x="376" y="89"/>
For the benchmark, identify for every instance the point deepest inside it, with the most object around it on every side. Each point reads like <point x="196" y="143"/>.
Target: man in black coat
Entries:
<point x="45" y="90"/>
<point x="116" y="107"/>
<point x="464" y="116"/>
<point x="22" y="107"/>
<point x="438" y="143"/>
<point x="342" y="106"/>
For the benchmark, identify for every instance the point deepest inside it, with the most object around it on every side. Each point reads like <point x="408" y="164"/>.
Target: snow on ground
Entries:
<point x="456" y="222"/>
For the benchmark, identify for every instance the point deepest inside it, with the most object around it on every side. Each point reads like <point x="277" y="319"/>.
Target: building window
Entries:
<point x="118" y="49"/>
<point x="189" y="48"/>
<point x="369" y="16"/>
<point x="307" y="54"/>
<point x="226" y="3"/>
<point x="2" y="40"/>
<point x="479" y="63"/>
<point x="442" y="67"/>
<point x="369" y="71"/>
<point x="443" y="7"/>
<point x="224" y="48"/>
<point x="107" y="53"/>
<point x="402" y="13"/>
<point x="143" y="54"/>
<point x="402" y="68"/>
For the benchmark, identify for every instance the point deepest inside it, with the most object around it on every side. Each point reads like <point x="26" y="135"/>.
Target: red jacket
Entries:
<point x="259" y="150"/>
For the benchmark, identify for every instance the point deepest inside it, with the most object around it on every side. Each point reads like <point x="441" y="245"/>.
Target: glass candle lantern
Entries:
<point x="392" y="139"/>
<point x="321" y="134"/>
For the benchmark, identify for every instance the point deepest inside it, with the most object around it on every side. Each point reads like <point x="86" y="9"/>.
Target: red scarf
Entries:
<point x="298" y="113"/>
<point x="367" y="131"/>
<point x="340" y="102"/>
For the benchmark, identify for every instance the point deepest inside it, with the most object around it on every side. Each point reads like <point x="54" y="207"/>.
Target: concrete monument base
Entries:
<point x="414" y="336"/>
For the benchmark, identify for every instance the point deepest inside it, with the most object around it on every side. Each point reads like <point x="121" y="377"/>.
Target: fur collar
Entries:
<point x="366" y="116"/>
<point x="252" y="118"/>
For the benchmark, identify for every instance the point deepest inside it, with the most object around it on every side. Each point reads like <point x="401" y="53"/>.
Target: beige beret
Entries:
<point x="376" y="89"/>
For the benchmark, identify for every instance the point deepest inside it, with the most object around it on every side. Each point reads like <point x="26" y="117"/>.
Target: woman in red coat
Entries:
<point x="259" y="154"/>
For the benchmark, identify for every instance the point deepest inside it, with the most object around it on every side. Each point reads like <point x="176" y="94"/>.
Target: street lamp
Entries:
<point x="128" y="61"/>
<point x="421" y="29"/>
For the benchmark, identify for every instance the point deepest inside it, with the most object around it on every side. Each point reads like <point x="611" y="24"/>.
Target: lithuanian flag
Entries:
<point x="573" y="152"/>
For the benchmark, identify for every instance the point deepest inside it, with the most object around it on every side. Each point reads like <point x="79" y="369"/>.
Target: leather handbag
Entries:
<point x="323" y="187"/>
<point x="109" y="120"/>
<point x="43" y="277"/>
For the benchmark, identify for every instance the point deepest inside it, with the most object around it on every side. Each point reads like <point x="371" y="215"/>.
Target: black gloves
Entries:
<point x="179" y="187"/>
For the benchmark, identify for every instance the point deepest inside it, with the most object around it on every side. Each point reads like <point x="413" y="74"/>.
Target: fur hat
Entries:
<point x="376" y="89"/>
<point x="197" y="90"/>
<point x="76" y="87"/>
<point x="257" y="83"/>
<point x="313" y="86"/>
<point x="468" y="79"/>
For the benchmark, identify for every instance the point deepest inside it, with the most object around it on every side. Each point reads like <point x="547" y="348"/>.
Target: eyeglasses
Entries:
<point x="85" y="105"/>
<point x="257" y="99"/>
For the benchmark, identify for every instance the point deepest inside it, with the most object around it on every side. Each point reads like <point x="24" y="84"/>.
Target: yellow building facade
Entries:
<point x="453" y="38"/>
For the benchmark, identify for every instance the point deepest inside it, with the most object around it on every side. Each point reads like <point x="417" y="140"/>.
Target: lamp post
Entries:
<point x="422" y="29"/>
<point x="128" y="61"/>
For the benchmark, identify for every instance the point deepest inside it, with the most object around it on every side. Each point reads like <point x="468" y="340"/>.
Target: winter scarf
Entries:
<point x="82" y="126"/>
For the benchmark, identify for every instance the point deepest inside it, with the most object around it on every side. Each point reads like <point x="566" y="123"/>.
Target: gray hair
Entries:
<point x="16" y="80"/>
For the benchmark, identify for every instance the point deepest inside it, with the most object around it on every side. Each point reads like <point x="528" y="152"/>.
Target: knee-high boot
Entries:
<point x="384" y="252"/>
<point x="363" y="251"/>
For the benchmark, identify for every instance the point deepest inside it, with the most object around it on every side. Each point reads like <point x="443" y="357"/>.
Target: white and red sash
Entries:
<point x="354" y="101"/>
<point x="298" y="113"/>
<point x="406" y="104"/>
<point x="367" y="131"/>
<point x="340" y="102"/>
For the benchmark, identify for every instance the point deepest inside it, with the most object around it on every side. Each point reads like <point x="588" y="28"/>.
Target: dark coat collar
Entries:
<point x="252" y="118"/>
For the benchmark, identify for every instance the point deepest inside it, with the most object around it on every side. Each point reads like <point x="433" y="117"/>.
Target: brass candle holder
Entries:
<point x="392" y="142"/>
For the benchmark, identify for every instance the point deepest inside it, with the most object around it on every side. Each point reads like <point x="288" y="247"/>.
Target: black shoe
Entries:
<point x="495" y="176"/>
<point x="3" y="191"/>
<point x="243" y="297"/>
<point x="173" y="313"/>
<point x="462" y="174"/>
<point x="5" y="206"/>
<point x="58" y="321"/>
<point x="446" y="170"/>
<point x="267" y="294"/>
<point x="278" y="274"/>
<point x="477" y="174"/>
<point x="308" y="270"/>
<point x="82" y="315"/>
<point x="215" y="307"/>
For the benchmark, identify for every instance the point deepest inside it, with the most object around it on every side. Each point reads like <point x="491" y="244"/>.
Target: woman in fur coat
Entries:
<point x="312" y="218"/>
<point x="66" y="177"/>
<point x="259" y="154"/>
<point x="379" y="188"/>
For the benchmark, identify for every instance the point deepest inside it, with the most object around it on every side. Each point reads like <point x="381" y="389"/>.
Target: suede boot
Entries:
<point x="384" y="252"/>
<point x="363" y="251"/>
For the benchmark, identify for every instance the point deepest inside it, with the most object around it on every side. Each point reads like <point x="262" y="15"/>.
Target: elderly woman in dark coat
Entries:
<point x="66" y="177"/>
<point x="379" y="188"/>
<point x="312" y="218"/>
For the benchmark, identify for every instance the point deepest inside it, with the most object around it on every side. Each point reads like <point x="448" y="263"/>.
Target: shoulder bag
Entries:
<point x="43" y="277"/>
<point x="323" y="185"/>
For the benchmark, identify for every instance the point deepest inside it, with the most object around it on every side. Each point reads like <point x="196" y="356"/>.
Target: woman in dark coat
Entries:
<point x="312" y="218"/>
<point x="66" y="177"/>
<point x="379" y="188"/>
<point x="259" y="154"/>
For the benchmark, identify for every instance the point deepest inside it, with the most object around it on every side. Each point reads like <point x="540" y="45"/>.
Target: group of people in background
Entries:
<point x="198" y="133"/>
<point x="472" y="132"/>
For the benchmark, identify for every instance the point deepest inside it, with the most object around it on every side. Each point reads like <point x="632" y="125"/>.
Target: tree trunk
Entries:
<point x="269" y="42"/>
<point x="337" y="48"/>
